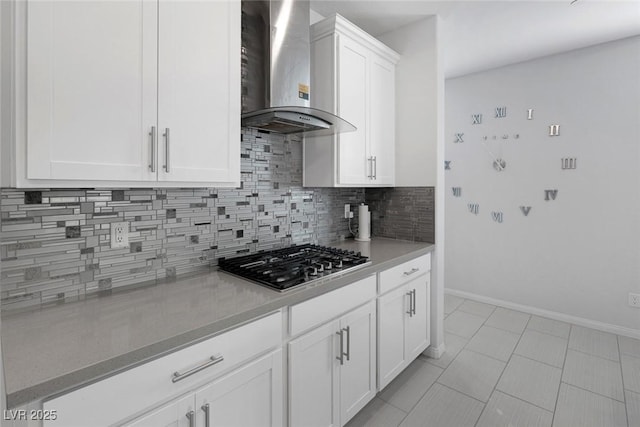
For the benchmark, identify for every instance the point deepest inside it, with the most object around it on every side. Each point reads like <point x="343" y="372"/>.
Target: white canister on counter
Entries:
<point x="364" y="223"/>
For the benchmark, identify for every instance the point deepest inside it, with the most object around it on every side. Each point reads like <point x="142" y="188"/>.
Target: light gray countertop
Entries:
<point x="55" y="349"/>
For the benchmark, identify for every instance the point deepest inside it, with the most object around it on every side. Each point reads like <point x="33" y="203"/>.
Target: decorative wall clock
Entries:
<point x="492" y="131"/>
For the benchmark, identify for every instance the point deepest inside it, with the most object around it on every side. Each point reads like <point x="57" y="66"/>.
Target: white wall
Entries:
<point x="420" y="137"/>
<point x="418" y="77"/>
<point x="580" y="254"/>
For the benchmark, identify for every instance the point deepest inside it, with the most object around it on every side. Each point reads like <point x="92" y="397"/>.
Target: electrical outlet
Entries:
<point x="634" y="300"/>
<point x="347" y="211"/>
<point x="120" y="234"/>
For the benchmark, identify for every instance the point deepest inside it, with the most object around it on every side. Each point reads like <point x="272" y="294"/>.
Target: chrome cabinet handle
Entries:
<point x="370" y="165"/>
<point x="413" y="302"/>
<point x="191" y="417"/>
<point x="348" y="354"/>
<point x="152" y="163"/>
<point x="375" y="170"/>
<point x="409" y="273"/>
<point x="167" y="161"/>
<point x="410" y="295"/>
<point x="213" y="360"/>
<point x="207" y="417"/>
<point x="341" y="357"/>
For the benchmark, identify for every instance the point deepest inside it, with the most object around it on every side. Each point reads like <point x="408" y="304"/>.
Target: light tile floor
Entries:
<point x="506" y="368"/>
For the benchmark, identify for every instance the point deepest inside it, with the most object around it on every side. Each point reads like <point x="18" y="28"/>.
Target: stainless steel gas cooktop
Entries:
<point x="283" y="269"/>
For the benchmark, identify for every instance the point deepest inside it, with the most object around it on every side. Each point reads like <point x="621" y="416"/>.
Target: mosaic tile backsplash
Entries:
<point x="405" y="213"/>
<point x="55" y="244"/>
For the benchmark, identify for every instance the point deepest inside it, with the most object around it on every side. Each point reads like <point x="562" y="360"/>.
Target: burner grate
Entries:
<point x="285" y="268"/>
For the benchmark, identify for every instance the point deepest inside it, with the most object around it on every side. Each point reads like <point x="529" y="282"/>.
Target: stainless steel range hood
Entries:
<point x="276" y="71"/>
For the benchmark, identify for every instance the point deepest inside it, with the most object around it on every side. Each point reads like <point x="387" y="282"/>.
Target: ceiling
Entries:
<point x="480" y="35"/>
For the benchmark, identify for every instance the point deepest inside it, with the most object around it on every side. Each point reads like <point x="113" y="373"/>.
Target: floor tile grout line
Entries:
<point x="624" y="395"/>
<point x="459" y="336"/>
<point x="463" y="393"/>
<point x="619" y="361"/>
<point x="522" y="400"/>
<point x="564" y="362"/>
<point x="547" y="333"/>
<point x="534" y="360"/>
<point x="593" y="392"/>
<point x="502" y="373"/>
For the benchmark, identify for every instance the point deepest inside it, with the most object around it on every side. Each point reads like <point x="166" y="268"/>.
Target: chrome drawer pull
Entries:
<point x="207" y="416"/>
<point x="410" y="295"/>
<point x="191" y="417"/>
<point x="375" y="170"/>
<point x="341" y="357"/>
<point x="213" y="360"/>
<point x="152" y="134"/>
<point x="413" y="270"/>
<point x="413" y="301"/>
<point x="348" y="354"/>
<point x="167" y="151"/>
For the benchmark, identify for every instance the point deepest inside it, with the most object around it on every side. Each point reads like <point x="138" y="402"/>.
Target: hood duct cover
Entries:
<point x="276" y="71"/>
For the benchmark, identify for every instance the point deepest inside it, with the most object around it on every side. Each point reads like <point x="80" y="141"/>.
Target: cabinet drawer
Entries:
<point x="318" y="310"/>
<point x="396" y="276"/>
<point x="139" y="388"/>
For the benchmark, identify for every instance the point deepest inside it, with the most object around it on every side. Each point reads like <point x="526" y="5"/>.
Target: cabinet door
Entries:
<point x="199" y="91"/>
<point x="91" y="89"/>
<point x="392" y="357"/>
<point x="250" y="396"/>
<point x="313" y="378"/>
<point x="418" y="324"/>
<point x="382" y="121"/>
<point x="358" y="373"/>
<point x="353" y="106"/>
<point x="173" y="414"/>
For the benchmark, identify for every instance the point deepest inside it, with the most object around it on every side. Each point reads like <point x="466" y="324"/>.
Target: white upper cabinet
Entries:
<point x="125" y="93"/>
<point x="353" y="76"/>
<point x="91" y="89"/>
<point x="199" y="91"/>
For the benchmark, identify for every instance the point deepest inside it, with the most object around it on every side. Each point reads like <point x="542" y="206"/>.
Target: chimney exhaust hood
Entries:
<point x="276" y="70"/>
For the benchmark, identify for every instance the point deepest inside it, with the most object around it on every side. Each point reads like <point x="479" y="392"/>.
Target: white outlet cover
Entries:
<point x="120" y="234"/>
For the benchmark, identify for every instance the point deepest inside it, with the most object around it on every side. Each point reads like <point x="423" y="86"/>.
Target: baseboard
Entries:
<point x="580" y="321"/>
<point x="435" y="352"/>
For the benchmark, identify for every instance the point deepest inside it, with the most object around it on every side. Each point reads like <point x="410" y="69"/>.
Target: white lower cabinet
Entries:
<point x="173" y="414"/>
<point x="403" y="327"/>
<point x="212" y="368"/>
<point x="332" y="370"/>
<point x="338" y="344"/>
<point x="250" y="396"/>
